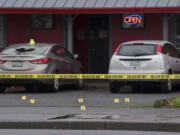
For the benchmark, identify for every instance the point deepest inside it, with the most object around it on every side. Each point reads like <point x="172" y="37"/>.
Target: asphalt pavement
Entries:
<point x="90" y="108"/>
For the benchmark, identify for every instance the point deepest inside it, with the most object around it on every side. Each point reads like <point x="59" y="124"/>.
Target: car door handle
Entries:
<point x="177" y="61"/>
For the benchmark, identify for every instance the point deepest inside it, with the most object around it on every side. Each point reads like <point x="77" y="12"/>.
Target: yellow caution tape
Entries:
<point x="90" y="76"/>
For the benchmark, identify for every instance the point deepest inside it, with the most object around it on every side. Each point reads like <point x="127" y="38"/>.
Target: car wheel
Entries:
<point x="34" y="88"/>
<point x="29" y="89"/>
<point x="114" y="87"/>
<point x="167" y="86"/>
<point x="55" y="85"/>
<point x="80" y="83"/>
<point x="2" y="89"/>
<point x="136" y="88"/>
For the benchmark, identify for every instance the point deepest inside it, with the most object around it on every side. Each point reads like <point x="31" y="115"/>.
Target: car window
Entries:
<point x="25" y="50"/>
<point x="174" y="52"/>
<point x="137" y="50"/>
<point x="166" y="49"/>
<point x="58" y="51"/>
<point x="170" y="51"/>
<point x="61" y="51"/>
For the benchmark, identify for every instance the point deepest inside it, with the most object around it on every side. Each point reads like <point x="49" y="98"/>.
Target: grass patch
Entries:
<point x="168" y="103"/>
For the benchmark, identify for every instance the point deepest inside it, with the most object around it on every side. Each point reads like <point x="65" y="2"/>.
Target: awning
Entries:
<point x="89" y="6"/>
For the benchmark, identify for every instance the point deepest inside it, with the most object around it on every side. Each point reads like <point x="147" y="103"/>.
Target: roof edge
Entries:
<point x="87" y="10"/>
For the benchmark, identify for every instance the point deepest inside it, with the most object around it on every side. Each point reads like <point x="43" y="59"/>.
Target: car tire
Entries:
<point x="114" y="87"/>
<point x="29" y="89"/>
<point x="136" y="88"/>
<point x="33" y="88"/>
<point x="80" y="83"/>
<point x="55" y="85"/>
<point x="2" y="89"/>
<point x="167" y="86"/>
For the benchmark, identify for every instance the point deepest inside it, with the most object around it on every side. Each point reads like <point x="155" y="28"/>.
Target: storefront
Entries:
<point x="91" y="28"/>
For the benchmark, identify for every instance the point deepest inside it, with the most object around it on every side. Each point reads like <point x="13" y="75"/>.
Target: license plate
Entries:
<point x="17" y="64"/>
<point x="135" y="63"/>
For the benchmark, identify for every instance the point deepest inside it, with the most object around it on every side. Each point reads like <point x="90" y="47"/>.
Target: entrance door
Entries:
<point x="98" y="40"/>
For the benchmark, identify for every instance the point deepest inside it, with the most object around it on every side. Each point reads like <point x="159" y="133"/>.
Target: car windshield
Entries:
<point x="25" y="50"/>
<point x="137" y="50"/>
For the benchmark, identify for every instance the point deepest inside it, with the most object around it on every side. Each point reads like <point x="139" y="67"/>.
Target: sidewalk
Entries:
<point x="42" y="120"/>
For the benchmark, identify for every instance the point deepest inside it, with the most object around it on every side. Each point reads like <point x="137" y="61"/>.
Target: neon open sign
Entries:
<point x="133" y="19"/>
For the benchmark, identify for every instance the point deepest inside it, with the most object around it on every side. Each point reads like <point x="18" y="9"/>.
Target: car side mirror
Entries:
<point x="75" y="56"/>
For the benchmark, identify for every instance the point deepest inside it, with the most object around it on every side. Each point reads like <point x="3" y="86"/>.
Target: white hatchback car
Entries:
<point x="144" y="57"/>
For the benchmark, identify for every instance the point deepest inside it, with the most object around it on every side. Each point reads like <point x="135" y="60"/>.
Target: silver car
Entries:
<point x="145" y="57"/>
<point x="42" y="58"/>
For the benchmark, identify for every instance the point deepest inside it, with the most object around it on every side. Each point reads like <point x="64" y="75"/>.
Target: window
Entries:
<point x="137" y="50"/>
<point x="170" y="51"/>
<point x="58" y="50"/>
<point x="25" y="50"/>
<point x="41" y="21"/>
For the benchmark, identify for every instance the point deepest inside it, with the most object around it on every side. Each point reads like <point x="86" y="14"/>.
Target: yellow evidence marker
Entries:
<point x="116" y="100"/>
<point x="32" y="101"/>
<point x="83" y="108"/>
<point x="80" y="100"/>
<point x="31" y="42"/>
<point x="24" y="98"/>
<point x="126" y="100"/>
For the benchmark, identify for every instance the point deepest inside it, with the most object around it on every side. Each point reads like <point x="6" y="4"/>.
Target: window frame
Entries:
<point x="41" y="15"/>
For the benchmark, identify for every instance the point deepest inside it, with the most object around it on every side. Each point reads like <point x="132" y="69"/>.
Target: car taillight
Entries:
<point x="117" y="49"/>
<point x="158" y="48"/>
<point x="40" y="61"/>
<point x="2" y="61"/>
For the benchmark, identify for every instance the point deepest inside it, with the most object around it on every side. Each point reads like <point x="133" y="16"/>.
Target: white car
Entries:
<point x="144" y="57"/>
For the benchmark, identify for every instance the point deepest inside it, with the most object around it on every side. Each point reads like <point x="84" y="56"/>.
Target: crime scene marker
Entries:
<point x="24" y="98"/>
<point x="32" y="101"/>
<point x="116" y="100"/>
<point x="126" y="100"/>
<point x="83" y="108"/>
<point x="32" y="42"/>
<point x="80" y="100"/>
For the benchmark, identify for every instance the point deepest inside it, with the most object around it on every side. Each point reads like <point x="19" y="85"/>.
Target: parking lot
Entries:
<point x="96" y="100"/>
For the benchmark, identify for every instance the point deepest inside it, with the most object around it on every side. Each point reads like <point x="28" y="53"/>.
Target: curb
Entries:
<point x="94" y="125"/>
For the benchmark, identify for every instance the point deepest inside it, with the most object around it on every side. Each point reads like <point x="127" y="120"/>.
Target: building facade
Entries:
<point x="90" y="28"/>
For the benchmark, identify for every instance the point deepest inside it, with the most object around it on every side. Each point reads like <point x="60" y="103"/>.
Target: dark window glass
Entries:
<point x="166" y="49"/>
<point x="137" y="50"/>
<point x="41" y="21"/>
<point x="25" y="50"/>
<point x="170" y="51"/>
<point x="59" y="51"/>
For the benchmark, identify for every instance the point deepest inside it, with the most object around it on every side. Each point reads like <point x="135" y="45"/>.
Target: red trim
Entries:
<point x="87" y="10"/>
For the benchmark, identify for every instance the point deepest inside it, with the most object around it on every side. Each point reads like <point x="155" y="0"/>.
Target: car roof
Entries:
<point x="160" y="42"/>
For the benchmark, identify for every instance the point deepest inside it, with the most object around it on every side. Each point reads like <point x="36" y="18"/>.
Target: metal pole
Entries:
<point x="70" y="33"/>
<point x="165" y="27"/>
<point x="110" y="36"/>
